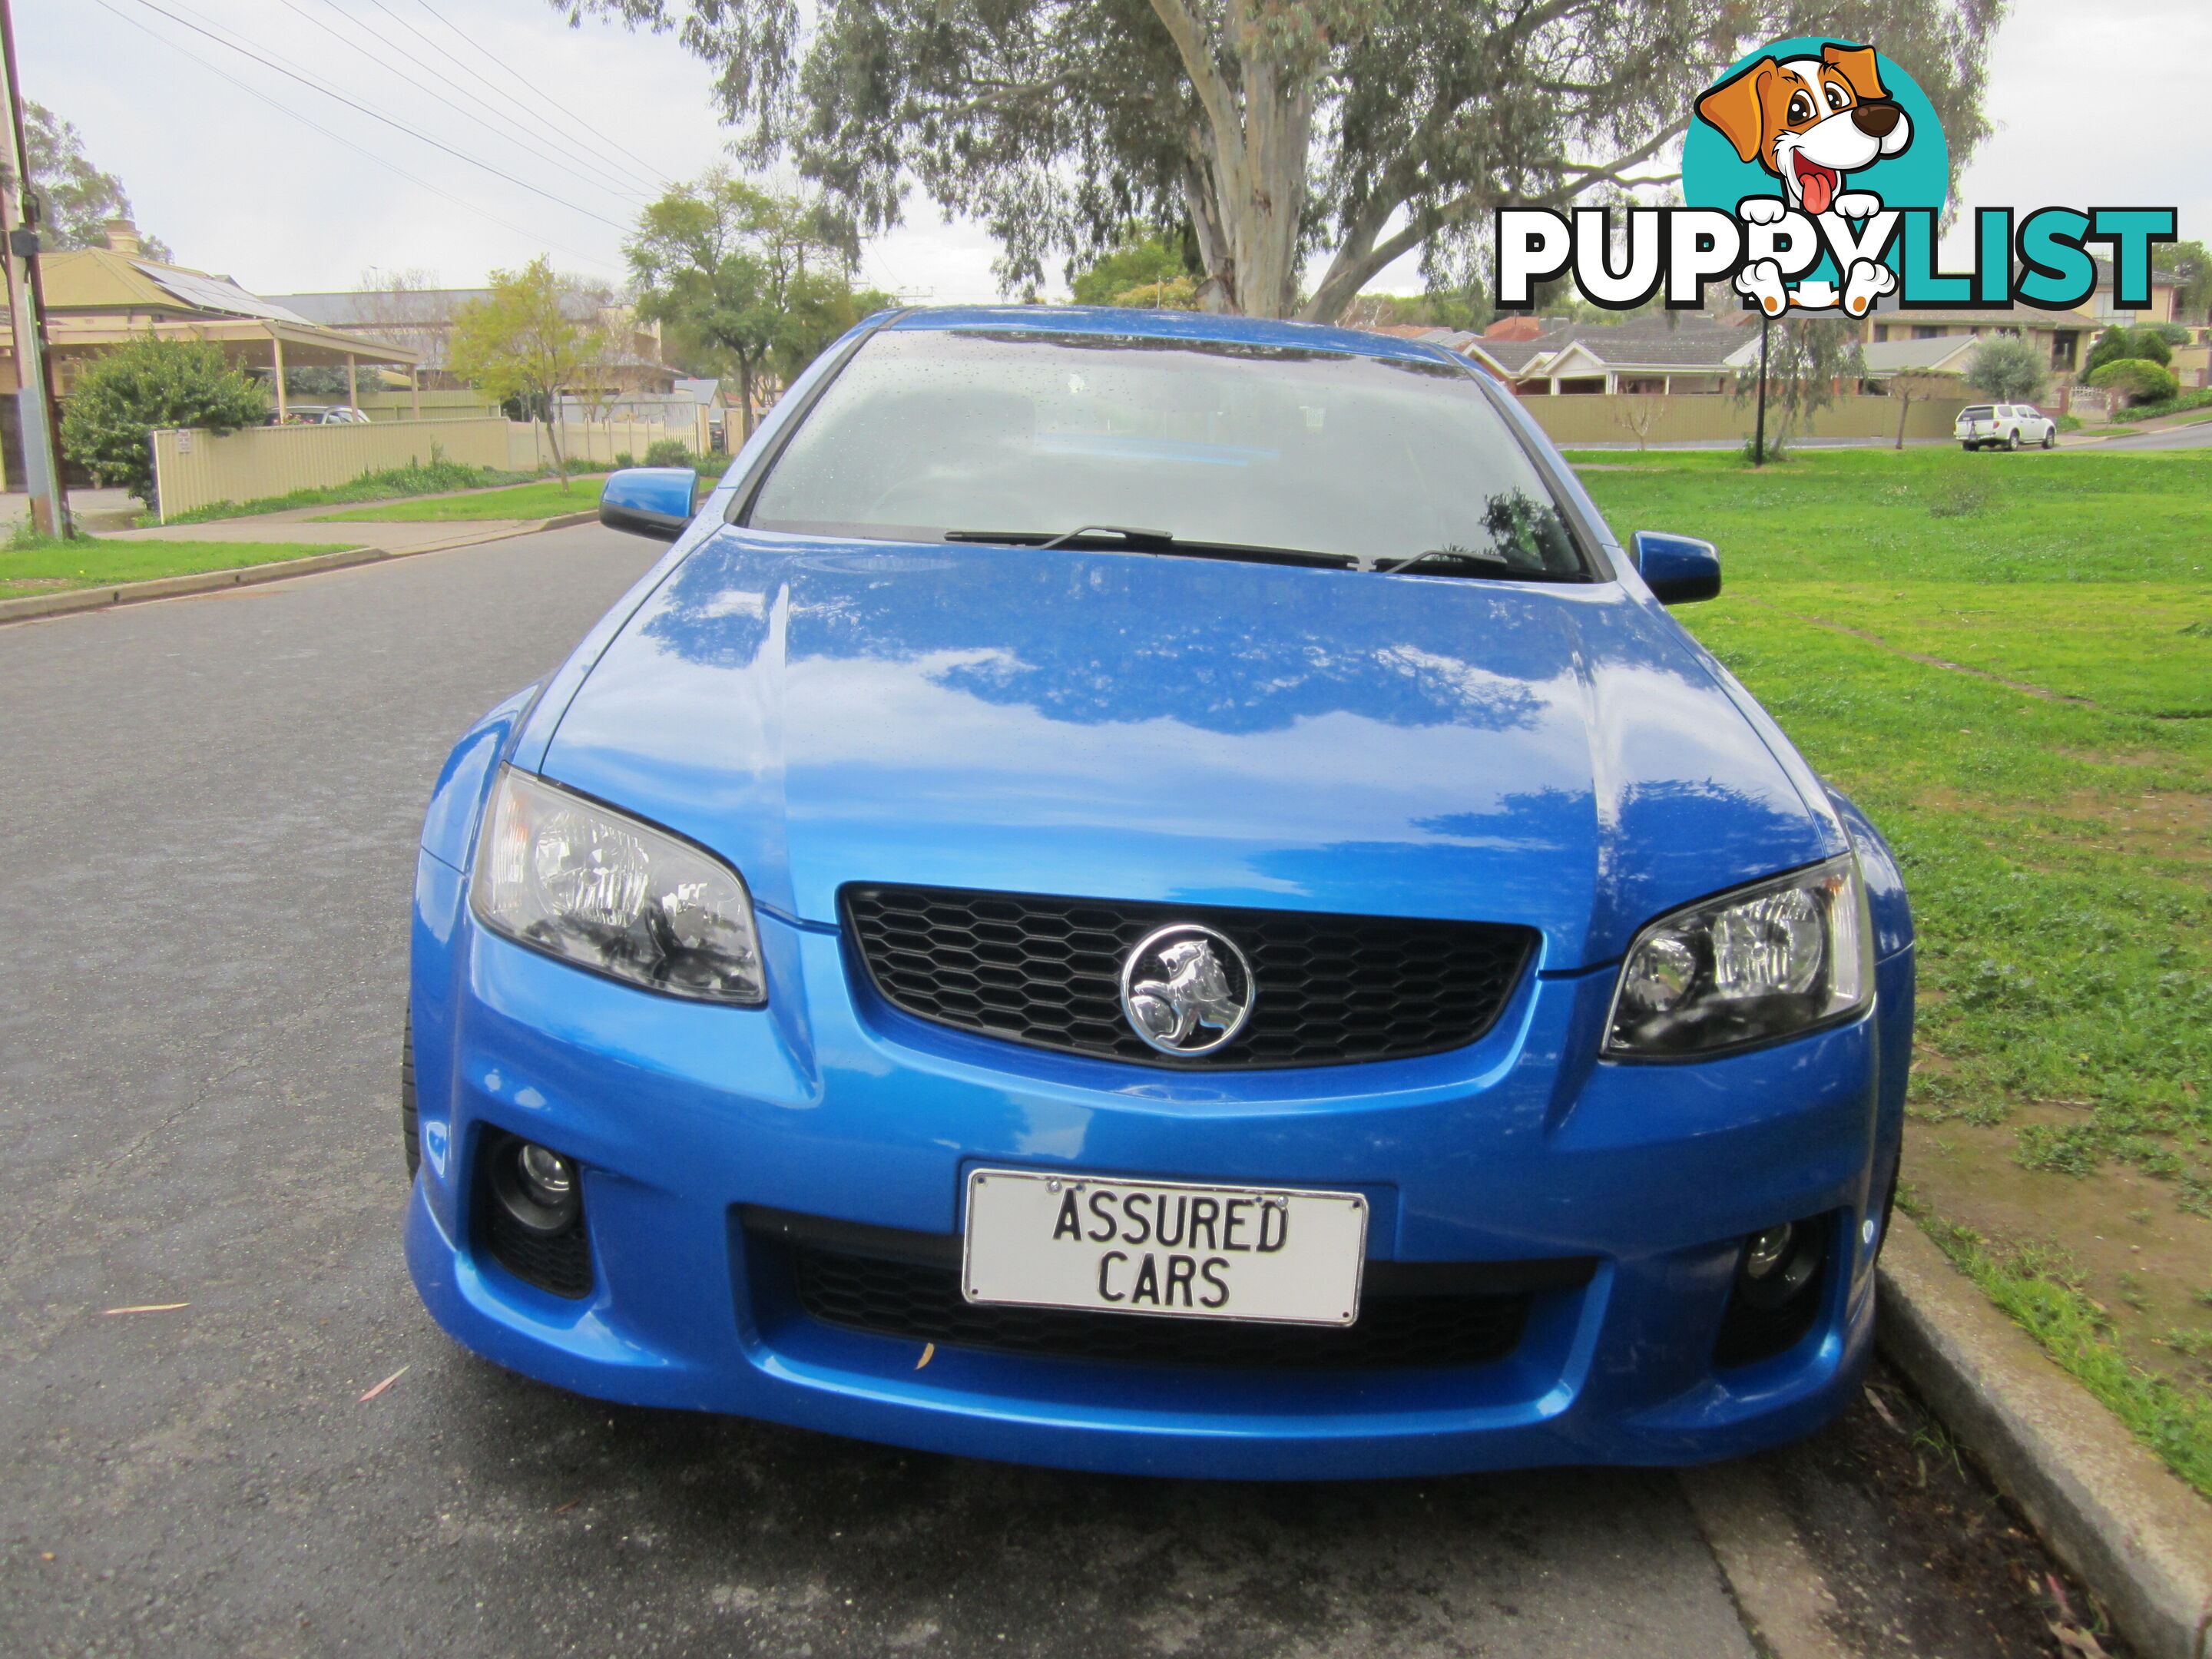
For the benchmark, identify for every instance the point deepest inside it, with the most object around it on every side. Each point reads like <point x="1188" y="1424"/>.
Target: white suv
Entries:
<point x="2005" y="426"/>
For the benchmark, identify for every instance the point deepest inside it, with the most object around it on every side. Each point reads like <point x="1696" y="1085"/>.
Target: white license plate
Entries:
<point x="1277" y="1255"/>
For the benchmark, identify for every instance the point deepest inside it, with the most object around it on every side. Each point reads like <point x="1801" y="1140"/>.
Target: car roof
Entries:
<point x="1172" y="325"/>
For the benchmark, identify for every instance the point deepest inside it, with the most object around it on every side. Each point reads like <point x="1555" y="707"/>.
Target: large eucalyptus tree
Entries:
<point x="1319" y="139"/>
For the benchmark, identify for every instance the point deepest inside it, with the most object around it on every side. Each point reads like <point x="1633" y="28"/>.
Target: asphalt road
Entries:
<point x="2196" y="436"/>
<point x="208" y="817"/>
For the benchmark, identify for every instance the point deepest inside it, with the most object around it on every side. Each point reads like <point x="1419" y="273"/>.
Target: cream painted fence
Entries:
<point x="598" y="441"/>
<point x="194" y="469"/>
<point x="1591" y="418"/>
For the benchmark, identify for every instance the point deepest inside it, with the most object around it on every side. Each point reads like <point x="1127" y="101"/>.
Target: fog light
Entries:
<point x="550" y="1177"/>
<point x="1765" y="1252"/>
<point x="535" y="1186"/>
<point x="1777" y="1264"/>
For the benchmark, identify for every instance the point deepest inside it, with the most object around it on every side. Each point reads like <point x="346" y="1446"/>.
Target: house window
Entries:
<point x="1926" y="331"/>
<point x="1595" y="383"/>
<point x="1881" y="332"/>
<point x="2065" y="345"/>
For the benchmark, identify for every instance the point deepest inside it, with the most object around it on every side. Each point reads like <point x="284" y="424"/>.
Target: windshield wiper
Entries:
<point x="1157" y="541"/>
<point x="1147" y="538"/>
<point x="1505" y="571"/>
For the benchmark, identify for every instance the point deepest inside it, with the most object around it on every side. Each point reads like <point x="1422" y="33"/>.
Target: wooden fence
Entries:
<point x="1591" y="418"/>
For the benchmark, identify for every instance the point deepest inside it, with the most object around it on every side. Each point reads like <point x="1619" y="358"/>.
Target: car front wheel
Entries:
<point x="2050" y="438"/>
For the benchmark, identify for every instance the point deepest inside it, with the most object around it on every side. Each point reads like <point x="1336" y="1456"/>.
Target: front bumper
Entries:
<point x="831" y="1104"/>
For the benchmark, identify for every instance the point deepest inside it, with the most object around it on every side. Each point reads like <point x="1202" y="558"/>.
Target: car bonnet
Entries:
<point x="1182" y="730"/>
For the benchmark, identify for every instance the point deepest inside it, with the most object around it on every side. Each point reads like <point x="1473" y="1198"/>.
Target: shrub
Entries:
<point x="1776" y="449"/>
<point x="2008" y="370"/>
<point x="667" y="452"/>
<point x="2139" y="380"/>
<point x="2125" y="344"/>
<point x="624" y="458"/>
<point x="145" y="386"/>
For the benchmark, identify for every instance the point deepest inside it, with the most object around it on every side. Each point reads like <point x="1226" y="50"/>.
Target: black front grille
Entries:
<point x="1331" y="990"/>
<point x="1412" y="1316"/>
<point x="561" y="1264"/>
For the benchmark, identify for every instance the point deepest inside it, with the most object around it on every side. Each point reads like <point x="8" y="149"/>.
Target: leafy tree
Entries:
<point x="147" y="386"/>
<point x="2007" y="370"/>
<point x="752" y="281"/>
<point x="521" y="343"/>
<point x="1274" y="130"/>
<point x="2116" y="343"/>
<point x="1140" y="260"/>
<point x="2190" y="266"/>
<point x="1806" y="359"/>
<point x="80" y="199"/>
<point x="2138" y="379"/>
<point x="1914" y="383"/>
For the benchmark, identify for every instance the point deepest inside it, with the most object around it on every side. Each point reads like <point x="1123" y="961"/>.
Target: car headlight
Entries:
<point x="1763" y="961"/>
<point x="596" y="887"/>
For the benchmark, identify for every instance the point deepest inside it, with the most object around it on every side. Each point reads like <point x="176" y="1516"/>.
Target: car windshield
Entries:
<point x="1206" y="446"/>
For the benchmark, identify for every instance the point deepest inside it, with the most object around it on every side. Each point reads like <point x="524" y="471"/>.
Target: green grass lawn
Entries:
<point x="93" y="563"/>
<point x="545" y="499"/>
<point x="2006" y="659"/>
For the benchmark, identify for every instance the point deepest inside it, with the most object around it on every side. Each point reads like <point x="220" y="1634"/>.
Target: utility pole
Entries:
<point x="39" y="419"/>
<point x="1759" y="434"/>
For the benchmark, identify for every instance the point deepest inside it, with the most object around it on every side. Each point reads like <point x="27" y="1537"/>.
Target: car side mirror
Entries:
<point x="1678" y="569"/>
<point x="649" y="500"/>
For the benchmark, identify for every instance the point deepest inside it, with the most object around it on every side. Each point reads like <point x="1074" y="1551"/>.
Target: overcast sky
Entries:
<point x="2102" y="104"/>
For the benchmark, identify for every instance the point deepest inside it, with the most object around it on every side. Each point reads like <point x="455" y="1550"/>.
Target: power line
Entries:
<point x="469" y="41"/>
<point x="614" y="186"/>
<point x="338" y="138"/>
<point x="644" y="173"/>
<point x="396" y="126"/>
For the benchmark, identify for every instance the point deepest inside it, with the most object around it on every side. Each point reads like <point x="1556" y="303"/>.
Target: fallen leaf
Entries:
<point x="565" y="1507"/>
<point x="149" y="1307"/>
<point x="929" y="1353"/>
<point x="1875" y="1400"/>
<point x="387" y="1383"/>
<point x="2080" y="1641"/>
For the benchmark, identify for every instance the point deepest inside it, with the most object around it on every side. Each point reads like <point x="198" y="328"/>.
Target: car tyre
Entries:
<point x="1969" y="447"/>
<point x="411" y="1133"/>
<point x="2050" y="438"/>
<point x="2012" y="442"/>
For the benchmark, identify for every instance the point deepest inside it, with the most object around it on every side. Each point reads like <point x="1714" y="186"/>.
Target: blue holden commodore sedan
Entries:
<point x="1157" y="893"/>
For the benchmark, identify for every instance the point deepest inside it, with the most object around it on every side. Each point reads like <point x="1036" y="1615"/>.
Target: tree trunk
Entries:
<point x="1244" y="178"/>
<point x="745" y="396"/>
<point x="552" y="408"/>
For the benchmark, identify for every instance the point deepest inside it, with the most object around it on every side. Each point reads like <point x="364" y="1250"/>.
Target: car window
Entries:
<point x="927" y="432"/>
<point x="1979" y="412"/>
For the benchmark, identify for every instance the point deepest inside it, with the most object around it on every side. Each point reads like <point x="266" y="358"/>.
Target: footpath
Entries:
<point x="368" y="542"/>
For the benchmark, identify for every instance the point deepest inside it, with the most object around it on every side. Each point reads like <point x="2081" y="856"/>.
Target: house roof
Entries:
<point x="1938" y="356"/>
<point x="96" y="297"/>
<point x="1690" y="344"/>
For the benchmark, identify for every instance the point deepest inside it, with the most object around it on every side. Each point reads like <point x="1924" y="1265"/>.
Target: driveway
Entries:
<point x="210" y="821"/>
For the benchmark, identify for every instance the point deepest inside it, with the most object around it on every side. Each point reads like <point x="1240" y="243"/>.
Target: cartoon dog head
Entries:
<point x="1809" y="120"/>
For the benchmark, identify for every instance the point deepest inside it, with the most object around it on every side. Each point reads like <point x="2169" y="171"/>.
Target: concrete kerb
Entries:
<point x="34" y="605"/>
<point x="2137" y="1534"/>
